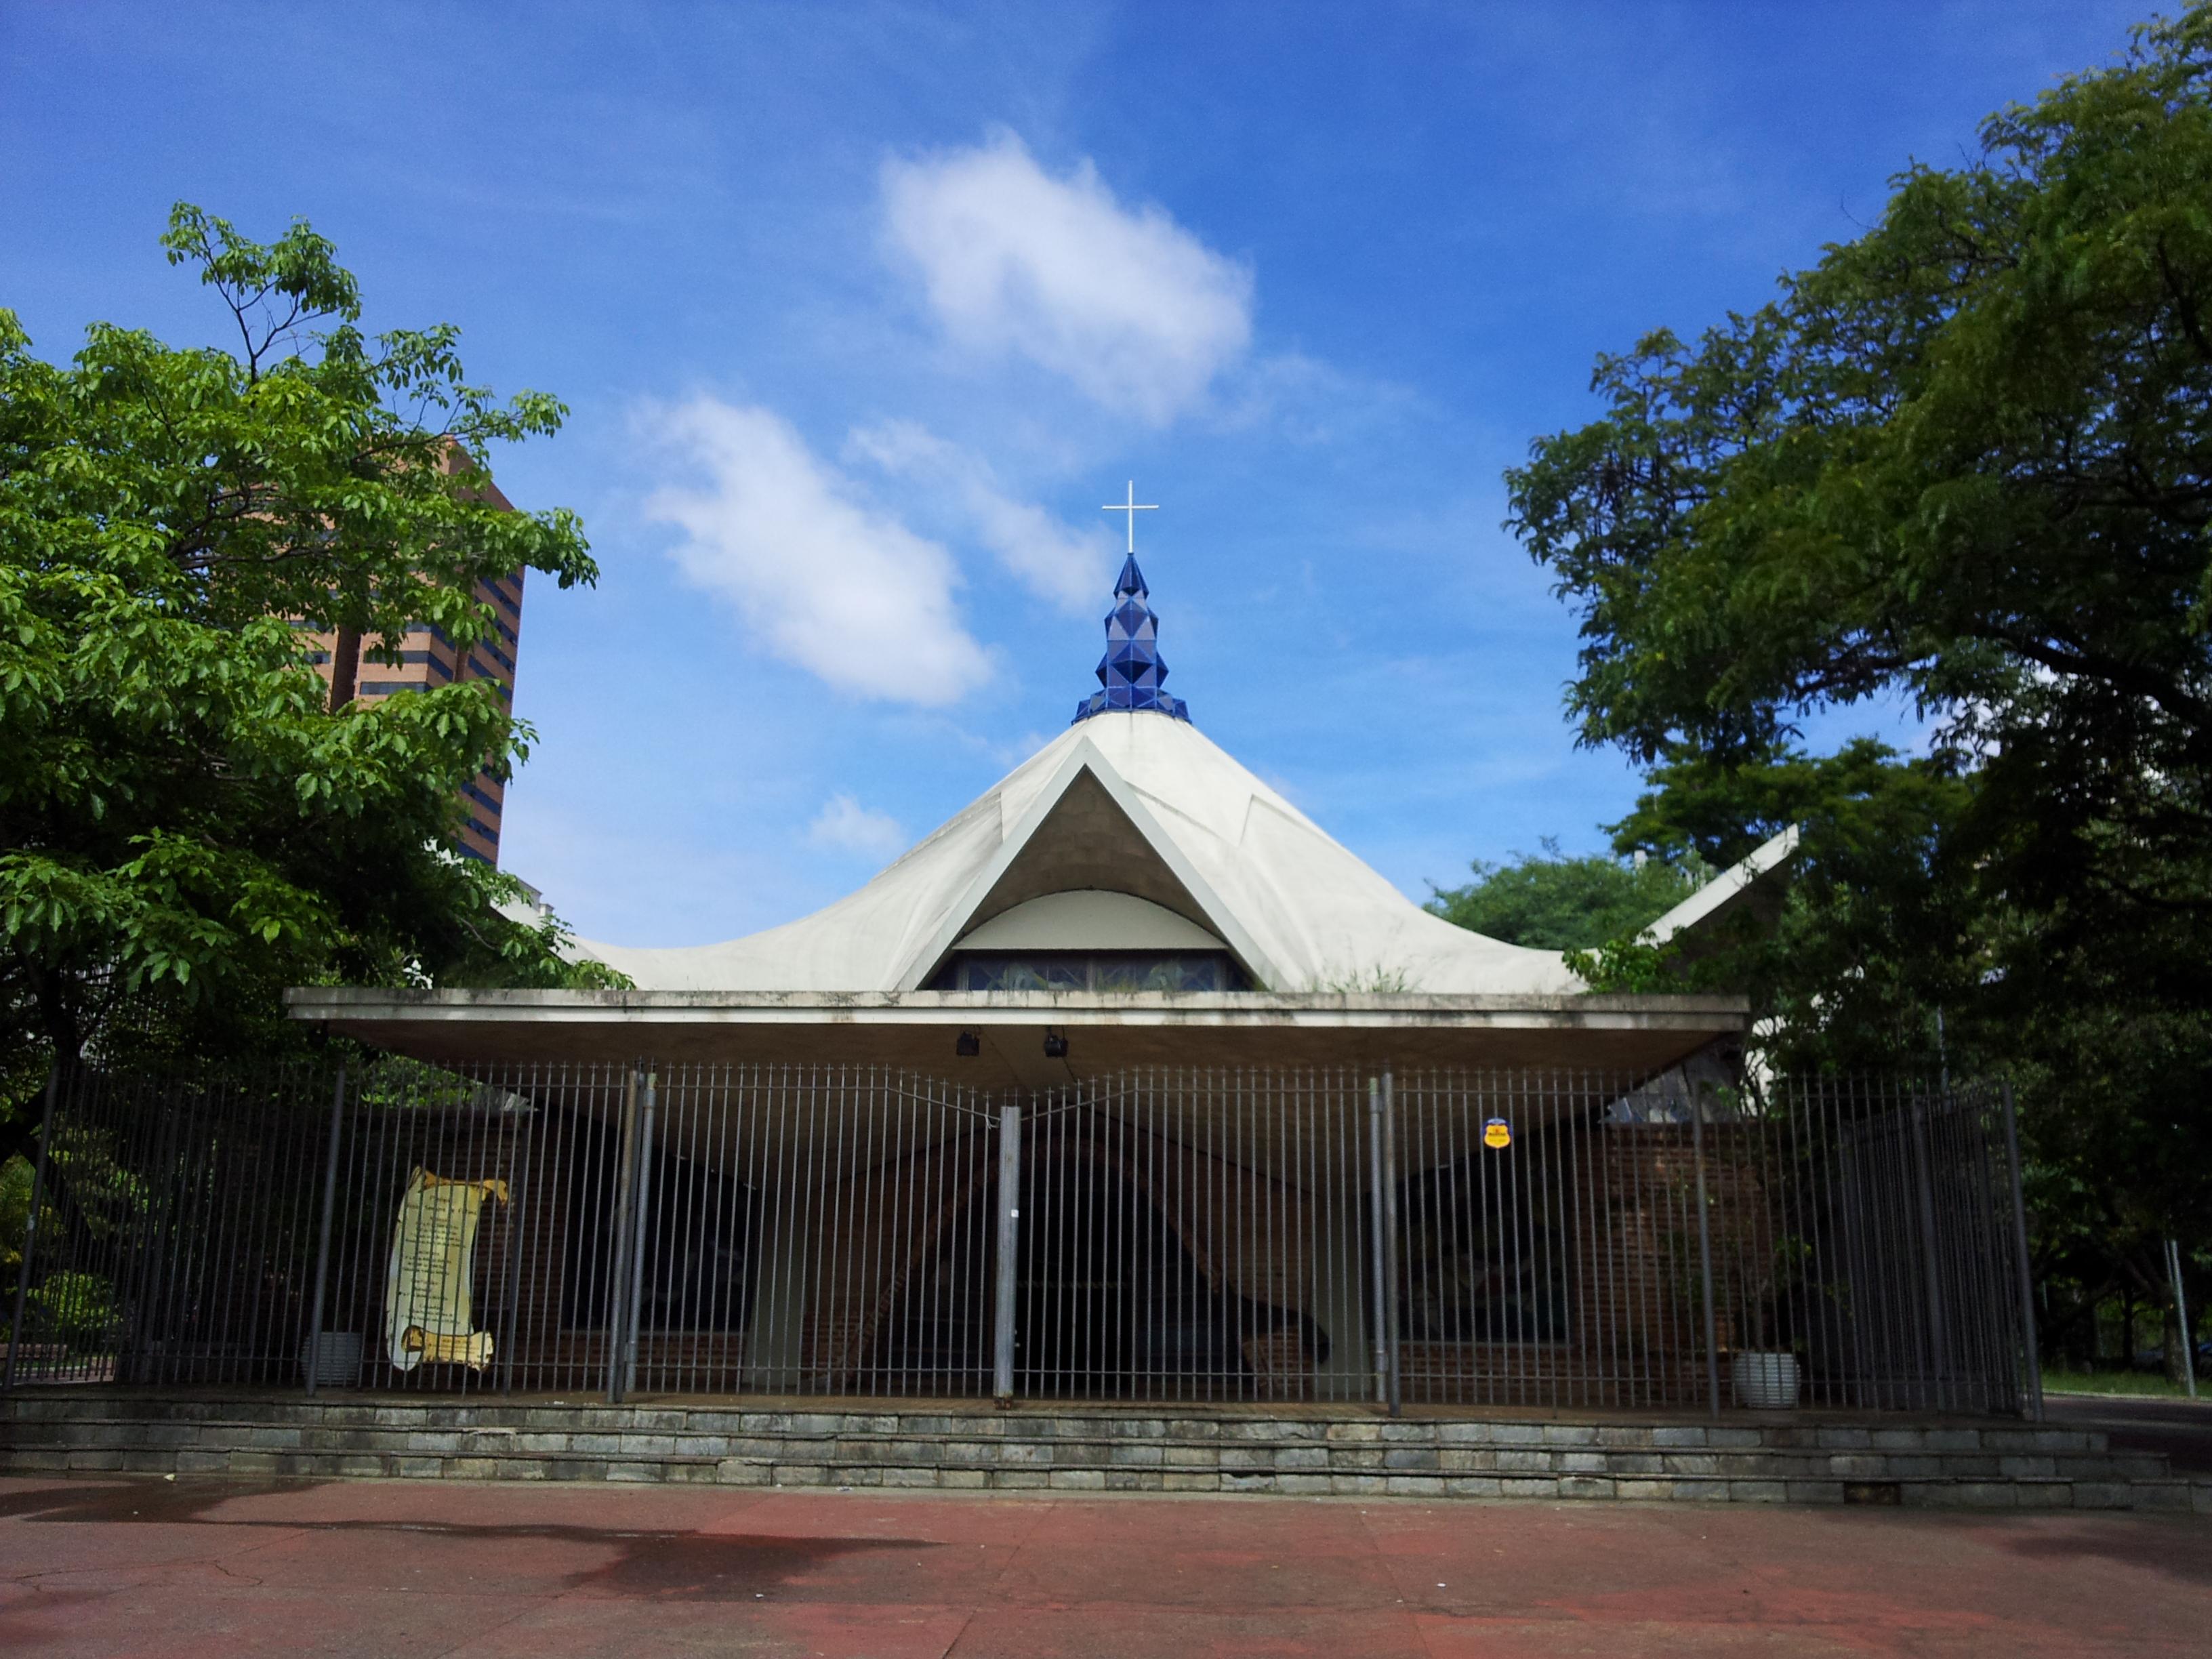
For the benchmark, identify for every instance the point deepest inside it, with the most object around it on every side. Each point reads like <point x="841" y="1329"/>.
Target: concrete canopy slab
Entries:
<point x="1106" y="1033"/>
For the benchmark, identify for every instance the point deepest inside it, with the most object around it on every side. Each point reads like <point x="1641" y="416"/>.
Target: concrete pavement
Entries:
<point x="127" y="1566"/>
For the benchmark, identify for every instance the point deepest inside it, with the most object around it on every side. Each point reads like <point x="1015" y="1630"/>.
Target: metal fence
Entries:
<point x="1559" y="1240"/>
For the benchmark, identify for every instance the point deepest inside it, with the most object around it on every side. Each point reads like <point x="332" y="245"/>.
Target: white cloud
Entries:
<point x="849" y="827"/>
<point x="1068" y="566"/>
<point x="845" y="591"/>
<point x="1126" y="303"/>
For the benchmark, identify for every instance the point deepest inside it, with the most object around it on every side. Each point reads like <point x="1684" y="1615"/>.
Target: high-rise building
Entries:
<point x="428" y="658"/>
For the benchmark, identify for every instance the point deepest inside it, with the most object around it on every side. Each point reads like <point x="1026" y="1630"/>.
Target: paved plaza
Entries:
<point x="198" y="1565"/>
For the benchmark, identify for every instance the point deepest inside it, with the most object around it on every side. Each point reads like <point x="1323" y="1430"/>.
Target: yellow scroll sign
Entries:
<point x="427" y="1312"/>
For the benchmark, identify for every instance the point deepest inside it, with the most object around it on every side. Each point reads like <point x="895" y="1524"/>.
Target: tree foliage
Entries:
<point x="1964" y="461"/>
<point x="187" y="826"/>
<point x="1850" y="953"/>
<point x="1550" y="902"/>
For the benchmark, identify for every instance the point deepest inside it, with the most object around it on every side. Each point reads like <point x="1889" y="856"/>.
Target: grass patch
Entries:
<point x="2147" y="1384"/>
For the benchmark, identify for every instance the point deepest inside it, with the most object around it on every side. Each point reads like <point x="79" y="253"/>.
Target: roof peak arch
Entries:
<point x="1088" y="828"/>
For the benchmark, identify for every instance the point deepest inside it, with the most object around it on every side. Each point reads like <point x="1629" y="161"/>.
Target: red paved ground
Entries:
<point x="400" y="1570"/>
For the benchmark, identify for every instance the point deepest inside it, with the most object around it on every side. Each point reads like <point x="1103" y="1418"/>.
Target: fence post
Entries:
<point x="30" y="1226"/>
<point x="323" y="1238"/>
<point x="518" y="1183"/>
<point x="1706" y="1253"/>
<point x="641" y="1207"/>
<point x="1390" y="1240"/>
<point x="619" y="1269"/>
<point x="1010" y="1213"/>
<point x="1931" y="1269"/>
<point x="2026" y="1275"/>
<point x="1375" y="1236"/>
<point x="2181" y="1314"/>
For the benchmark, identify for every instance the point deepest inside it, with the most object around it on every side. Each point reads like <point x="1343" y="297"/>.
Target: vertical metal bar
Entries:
<point x="817" y="1271"/>
<point x="842" y="1248"/>
<point x="518" y="1175"/>
<point x="148" y="1344"/>
<point x="30" y="1226"/>
<point x="137" y="1253"/>
<point x="1706" y="1256"/>
<point x="873" y="1176"/>
<point x="323" y="1236"/>
<point x="136" y="1250"/>
<point x="1010" y="1200"/>
<point x="554" y="1222"/>
<point x="1991" y="1376"/>
<point x="740" y="1149"/>
<point x="2032" y="1344"/>
<point x="619" y="1269"/>
<point x="1390" y="1241"/>
<point x="1939" y="1345"/>
<point x="766" y="1155"/>
<point x="227" y="1255"/>
<point x="801" y="1295"/>
<point x="694" y="1236"/>
<point x="1815" y="1176"/>
<point x="2181" y="1314"/>
<point x="640" y="1207"/>
<point x="189" y="1290"/>
<point x="535" y="1150"/>
<point x="1584" y="1358"/>
<point x="703" y="1348"/>
<point x="711" y="1110"/>
<point x="1382" y="1284"/>
<point x="672" y="1211"/>
<point x="354" y="1289"/>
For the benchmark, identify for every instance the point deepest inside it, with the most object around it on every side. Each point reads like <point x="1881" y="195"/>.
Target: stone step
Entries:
<point x="1461" y="1452"/>
<point x="2006" y="1441"/>
<point x="2169" y="1493"/>
<point x="1065" y="1456"/>
<point x="1920" y="1465"/>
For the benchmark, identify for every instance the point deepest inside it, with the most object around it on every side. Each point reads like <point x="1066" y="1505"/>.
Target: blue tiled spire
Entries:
<point x="1130" y="672"/>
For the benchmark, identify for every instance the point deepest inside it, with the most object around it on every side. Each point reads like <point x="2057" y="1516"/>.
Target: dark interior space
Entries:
<point x="698" y="1239"/>
<point x="1478" y="1261"/>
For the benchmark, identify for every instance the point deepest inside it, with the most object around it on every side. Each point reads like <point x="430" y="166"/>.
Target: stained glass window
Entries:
<point x="1075" y="970"/>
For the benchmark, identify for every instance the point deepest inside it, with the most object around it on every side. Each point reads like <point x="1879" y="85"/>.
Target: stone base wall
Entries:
<point x="1345" y="1452"/>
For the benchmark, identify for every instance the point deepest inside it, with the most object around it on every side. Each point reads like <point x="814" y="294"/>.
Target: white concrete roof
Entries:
<point x="1133" y="802"/>
<point x="1723" y="890"/>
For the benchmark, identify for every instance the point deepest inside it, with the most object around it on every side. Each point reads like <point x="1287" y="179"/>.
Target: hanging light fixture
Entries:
<point x="968" y="1045"/>
<point x="1056" y="1045"/>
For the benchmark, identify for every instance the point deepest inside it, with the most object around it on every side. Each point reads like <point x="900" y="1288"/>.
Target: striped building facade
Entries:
<point x="429" y="659"/>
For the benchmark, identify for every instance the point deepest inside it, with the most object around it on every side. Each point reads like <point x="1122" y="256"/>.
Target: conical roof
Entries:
<point x="1129" y="802"/>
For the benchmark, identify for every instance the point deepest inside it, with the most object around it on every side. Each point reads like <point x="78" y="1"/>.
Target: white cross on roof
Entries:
<point x="1131" y="507"/>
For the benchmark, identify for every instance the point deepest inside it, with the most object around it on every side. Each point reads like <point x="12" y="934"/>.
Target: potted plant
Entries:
<point x="1766" y="1374"/>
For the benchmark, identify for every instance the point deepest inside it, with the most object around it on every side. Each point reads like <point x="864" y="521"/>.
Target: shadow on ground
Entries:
<point x="2184" y="1553"/>
<point x="667" y="1565"/>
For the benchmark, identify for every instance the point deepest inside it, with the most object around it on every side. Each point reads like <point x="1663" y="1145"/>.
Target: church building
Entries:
<point x="1129" y="895"/>
<point x="1127" y="1081"/>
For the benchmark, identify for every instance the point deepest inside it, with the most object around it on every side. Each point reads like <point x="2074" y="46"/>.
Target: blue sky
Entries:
<point x="863" y="310"/>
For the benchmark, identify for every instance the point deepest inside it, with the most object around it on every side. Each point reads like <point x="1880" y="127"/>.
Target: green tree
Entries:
<point x="1848" y="954"/>
<point x="1964" y="461"/>
<point x="187" y="825"/>
<point x="1550" y="902"/>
